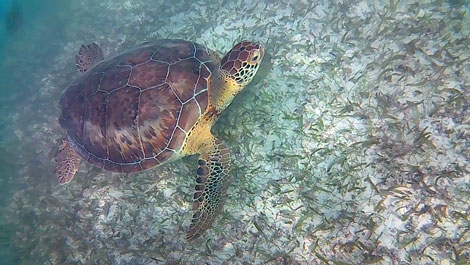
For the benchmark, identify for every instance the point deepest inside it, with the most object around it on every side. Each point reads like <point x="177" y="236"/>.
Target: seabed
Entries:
<point x="354" y="149"/>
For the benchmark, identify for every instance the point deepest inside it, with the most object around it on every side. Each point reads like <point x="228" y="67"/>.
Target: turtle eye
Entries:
<point x="254" y="57"/>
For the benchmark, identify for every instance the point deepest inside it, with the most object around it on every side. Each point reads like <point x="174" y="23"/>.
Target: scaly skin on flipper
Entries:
<point x="67" y="163"/>
<point x="87" y="56"/>
<point x="211" y="183"/>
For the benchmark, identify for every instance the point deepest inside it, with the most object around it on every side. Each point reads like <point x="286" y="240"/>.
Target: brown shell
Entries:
<point x="132" y="111"/>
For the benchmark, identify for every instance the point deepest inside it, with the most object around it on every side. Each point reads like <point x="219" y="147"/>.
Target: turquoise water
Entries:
<point x="352" y="148"/>
<point x="31" y="32"/>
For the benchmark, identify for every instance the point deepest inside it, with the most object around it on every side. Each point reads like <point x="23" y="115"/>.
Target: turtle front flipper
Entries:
<point x="211" y="183"/>
<point x="87" y="56"/>
<point x="67" y="162"/>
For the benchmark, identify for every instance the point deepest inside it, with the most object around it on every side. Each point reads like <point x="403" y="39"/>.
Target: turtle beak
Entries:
<point x="261" y="51"/>
<point x="264" y="68"/>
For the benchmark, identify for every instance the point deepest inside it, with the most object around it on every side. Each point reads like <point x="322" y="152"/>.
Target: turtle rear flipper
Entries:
<point x="87" y="56"/>
<point x="67" y="162"/>
<point x="211" y="183"/>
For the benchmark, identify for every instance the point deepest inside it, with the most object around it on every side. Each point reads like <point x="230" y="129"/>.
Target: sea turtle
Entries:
<point x="153" y="104"/>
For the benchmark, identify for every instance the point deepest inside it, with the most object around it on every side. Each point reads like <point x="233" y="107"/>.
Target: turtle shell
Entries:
<point x="133" y="111"/>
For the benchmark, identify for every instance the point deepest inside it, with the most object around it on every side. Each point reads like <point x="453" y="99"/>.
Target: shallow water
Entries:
<point x="353" y="149"/>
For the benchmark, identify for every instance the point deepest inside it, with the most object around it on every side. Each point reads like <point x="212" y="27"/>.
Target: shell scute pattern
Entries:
<point x="149" y="74"/>
<point x="114" y="78"/>
<point x="134" y="110"/>
<point x="182" y="75"/>
<point x="95" y="124"/>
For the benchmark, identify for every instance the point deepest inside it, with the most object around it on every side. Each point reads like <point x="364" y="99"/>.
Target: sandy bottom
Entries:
<point x="353" y="150"/>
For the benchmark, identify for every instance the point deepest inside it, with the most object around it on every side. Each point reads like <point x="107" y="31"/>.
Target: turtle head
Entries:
<point x="242" y="62"/>
<point x="237" y="69"/>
